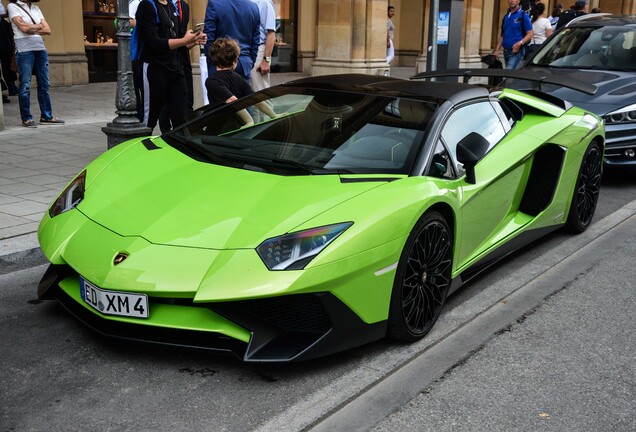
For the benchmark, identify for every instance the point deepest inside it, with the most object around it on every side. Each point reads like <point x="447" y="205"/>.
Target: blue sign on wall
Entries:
<point x="443" y="23"/>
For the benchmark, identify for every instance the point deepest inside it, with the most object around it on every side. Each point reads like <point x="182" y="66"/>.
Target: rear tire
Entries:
<point x="588" y="186"/>
<point x="422" y="279"/>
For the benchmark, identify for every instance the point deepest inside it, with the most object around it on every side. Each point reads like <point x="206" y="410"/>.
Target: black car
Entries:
<point x="597" y="49"/>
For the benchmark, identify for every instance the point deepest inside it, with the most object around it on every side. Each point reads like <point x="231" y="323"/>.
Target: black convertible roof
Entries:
<point x="394" y="87"/>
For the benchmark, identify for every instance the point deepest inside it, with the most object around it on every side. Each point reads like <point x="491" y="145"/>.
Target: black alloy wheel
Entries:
<point x="588" y="186"/>
<point x="422" y="280"/>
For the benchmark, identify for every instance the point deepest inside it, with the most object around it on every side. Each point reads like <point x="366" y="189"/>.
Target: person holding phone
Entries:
<point x="161" y="34"/>
<point x="183" y="53"/>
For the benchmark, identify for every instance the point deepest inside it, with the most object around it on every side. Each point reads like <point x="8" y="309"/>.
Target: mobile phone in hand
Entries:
<point x="199" y="27"/>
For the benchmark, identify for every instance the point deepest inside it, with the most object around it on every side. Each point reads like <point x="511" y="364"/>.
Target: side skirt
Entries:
<point x="500" y="253"/>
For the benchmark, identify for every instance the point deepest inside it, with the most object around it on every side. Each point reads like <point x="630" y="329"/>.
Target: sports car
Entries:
<point x="318" y="215"/>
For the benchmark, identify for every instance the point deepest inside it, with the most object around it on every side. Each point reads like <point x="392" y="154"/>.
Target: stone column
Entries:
<point x="409" y="25"/>
<point x="306" y="43"/>
<point x="488" y="17"/>
<point x="351" y="37"/>
<point x="65" y="46"/>
<point x="473" y="10"/>
<point x="420" y="61"/>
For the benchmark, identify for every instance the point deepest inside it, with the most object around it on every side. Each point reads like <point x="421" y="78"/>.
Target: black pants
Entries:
<point x="9" y="76"/>
<point x="162" y="87"/>
<point x="165" y="124"/>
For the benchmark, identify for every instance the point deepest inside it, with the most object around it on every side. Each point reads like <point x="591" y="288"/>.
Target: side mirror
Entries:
<point x="470" y="150"/>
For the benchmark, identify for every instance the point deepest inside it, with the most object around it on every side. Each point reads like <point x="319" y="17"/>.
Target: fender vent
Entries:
<point x="544" y="175"/>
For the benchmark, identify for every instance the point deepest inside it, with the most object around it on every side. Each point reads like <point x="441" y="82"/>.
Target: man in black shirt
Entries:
<point x="576" y="11"/>
<point x="164" y="81"/>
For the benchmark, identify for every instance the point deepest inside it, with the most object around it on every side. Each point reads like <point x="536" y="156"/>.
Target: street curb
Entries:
<point x="20" y="252"/>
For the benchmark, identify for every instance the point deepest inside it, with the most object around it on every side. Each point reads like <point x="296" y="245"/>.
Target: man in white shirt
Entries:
<point x="260" y="72"/>
<point x="390" y="34"/>
<point x="132" y="11"/>
<point x="31" y="57"/>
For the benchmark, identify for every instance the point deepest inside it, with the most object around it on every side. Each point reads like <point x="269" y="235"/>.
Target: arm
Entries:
<point x="388" y="39"/>
<point x="548" y="29"/>
<point x="26" y="27"/>
<point x="189" y="40"/>
<point x="526" y="24"/>
<point x="495" y="52"/>
<point x="45" y="30"/>
<point x="132" y="12"/>
<point x="269" y="47"/>
<point x="525" y="40"/>
<point x="245" y="117"/>
<point x="266" y="109"/>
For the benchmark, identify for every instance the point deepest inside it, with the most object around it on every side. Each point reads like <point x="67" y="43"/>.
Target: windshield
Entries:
<point x="293" y="131"/>
<point x="605" y="48"/>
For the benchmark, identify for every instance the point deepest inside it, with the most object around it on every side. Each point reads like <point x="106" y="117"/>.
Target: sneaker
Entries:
<point x="53" y="120"/>
<point x="29" y="123"/>
<point x="5" y="99"/>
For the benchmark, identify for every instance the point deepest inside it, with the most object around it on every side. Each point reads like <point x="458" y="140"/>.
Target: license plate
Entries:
<point x="114" y="302"/>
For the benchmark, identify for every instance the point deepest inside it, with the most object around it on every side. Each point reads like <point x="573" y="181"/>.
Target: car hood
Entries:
<point x="616" y="89"/>
<point x="168" y="198"/>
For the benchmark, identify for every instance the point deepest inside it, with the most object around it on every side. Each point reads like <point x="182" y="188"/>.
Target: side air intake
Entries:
<point x="544" y="175"/>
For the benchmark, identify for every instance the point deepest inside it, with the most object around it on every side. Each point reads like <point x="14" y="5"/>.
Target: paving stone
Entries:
<point x="45" y="197"/>
<point x="15" y="173"/>
<point x="23" y="208"/>
<point x="17" y="230"/>
<point x="20" y="188"/>
<point x="44" y="179"/>
<point x="7" y="220"/>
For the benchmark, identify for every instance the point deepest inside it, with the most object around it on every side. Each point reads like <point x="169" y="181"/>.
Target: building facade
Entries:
<point x="313" y="36"/>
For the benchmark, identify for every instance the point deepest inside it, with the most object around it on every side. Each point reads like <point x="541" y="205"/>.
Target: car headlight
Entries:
<point x="623" y="115"/>
<point x="294" y="251"/>
<point x="70" y="197"/>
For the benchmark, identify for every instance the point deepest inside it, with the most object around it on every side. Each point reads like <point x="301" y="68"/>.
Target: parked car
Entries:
<point x="347" y="214"/>
<point x="601" y="50"/>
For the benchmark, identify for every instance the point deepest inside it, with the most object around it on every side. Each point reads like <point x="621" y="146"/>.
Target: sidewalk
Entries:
<point x="35" y="164"/>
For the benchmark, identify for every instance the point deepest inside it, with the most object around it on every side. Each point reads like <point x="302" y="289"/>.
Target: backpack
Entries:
<point x="7" y="46"/>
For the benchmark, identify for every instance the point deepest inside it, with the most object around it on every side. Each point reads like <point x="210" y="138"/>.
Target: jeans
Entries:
<point x="29" y="63"/>
<point x="513" y="59"/>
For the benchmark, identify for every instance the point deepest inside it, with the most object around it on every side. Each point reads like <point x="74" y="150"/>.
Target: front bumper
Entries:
<point x="620" y="143"/>
<point x="276" y="329"/>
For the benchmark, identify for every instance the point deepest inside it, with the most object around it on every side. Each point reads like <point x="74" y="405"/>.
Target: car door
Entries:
<point x="488" y="206"/>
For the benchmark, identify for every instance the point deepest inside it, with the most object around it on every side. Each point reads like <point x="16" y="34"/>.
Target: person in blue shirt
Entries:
<point x="240" y="20"/>
<point x="516" y="32"/>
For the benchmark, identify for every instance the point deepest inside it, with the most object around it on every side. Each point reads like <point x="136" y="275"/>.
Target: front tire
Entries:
<point x="422" y="280"/>
<point x="588" y="186"/>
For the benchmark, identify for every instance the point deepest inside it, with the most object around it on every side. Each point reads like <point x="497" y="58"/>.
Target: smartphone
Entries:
<point x="199" y="27"/>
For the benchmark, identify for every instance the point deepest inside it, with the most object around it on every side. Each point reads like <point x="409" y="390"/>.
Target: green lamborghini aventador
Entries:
<point x="318" y="215"/>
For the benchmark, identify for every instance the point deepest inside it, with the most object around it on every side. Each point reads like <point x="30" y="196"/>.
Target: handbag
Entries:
<point x="13" y="65"/>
